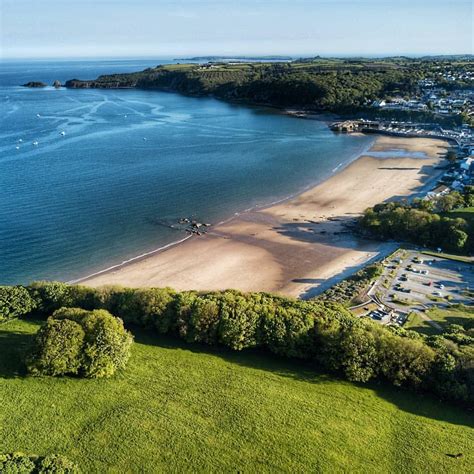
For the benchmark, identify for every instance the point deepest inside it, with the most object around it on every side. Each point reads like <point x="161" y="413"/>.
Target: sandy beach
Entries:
<point x="297" y="247"/>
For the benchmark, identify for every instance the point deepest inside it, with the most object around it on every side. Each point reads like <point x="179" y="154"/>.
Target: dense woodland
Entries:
<point x="337" y="85"/>
<point x="446" y="222"/>
<point x="323" y="334"/>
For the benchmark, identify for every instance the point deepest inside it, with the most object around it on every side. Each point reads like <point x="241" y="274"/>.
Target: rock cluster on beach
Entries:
<point x="193" y="227"/>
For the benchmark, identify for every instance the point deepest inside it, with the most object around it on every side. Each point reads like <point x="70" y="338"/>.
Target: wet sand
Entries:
<point x="297" y="247"/>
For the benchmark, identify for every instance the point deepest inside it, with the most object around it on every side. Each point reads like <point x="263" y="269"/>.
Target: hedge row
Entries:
<point x="19" y="463"/>
<point x="323" y="333"/>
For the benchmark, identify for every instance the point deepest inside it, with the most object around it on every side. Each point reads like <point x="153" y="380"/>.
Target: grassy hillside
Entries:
<point x="183" y="408"/>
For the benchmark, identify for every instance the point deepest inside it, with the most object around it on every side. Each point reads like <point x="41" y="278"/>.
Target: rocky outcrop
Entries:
<point x="34" y="84"/>
<point x="56" y="84"/>
<point x="103" y="82"/>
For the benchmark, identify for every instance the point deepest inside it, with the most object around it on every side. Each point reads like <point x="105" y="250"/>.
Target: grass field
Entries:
<point x="444" y="317"/>
<point x="182" y="408"/>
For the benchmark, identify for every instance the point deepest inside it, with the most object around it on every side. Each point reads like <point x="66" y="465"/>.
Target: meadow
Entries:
<point x="184" y="407"/>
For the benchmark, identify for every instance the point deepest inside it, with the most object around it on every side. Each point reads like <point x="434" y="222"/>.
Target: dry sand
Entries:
<point x="298" y="247"/>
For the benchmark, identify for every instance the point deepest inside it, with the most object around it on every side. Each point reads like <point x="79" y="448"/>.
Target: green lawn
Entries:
<point x="416" y="323"/>
<point x="182" y="408"/>
<point x="444" y="317"/>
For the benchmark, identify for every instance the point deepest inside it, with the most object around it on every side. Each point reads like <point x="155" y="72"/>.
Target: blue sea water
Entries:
<point x="90" y="178"/>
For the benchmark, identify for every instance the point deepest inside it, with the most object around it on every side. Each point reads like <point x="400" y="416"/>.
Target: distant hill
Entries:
<point x="325" y="84"/>
<point x="236" y="58"/>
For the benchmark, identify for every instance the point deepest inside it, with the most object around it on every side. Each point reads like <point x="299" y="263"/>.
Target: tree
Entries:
<point x="106" y="344"/>
<point x="92" y="344"/>
<point x="450" y="201"/>
<point x="451" y="156"/>
<point x="58" y="348"/>
<point x="15" y="301"/>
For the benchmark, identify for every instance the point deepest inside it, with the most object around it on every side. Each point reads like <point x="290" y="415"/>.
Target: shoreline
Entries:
<point x="259" y="207"/>
<point x="286" y="247"/>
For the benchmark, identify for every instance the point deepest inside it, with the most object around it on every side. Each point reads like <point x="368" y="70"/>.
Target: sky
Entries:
<point x="166" y="28"/>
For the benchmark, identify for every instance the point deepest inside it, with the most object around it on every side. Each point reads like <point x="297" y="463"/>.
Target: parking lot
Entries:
<point x="413" y="281"/>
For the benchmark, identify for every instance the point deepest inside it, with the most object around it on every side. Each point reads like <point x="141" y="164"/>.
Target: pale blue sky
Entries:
<point x="160" y="28"/>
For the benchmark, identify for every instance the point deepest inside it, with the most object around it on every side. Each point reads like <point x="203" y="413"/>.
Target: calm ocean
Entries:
<point x="90" y="178"/>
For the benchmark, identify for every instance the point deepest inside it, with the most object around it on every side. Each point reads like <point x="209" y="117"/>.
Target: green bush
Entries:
<point x="107" y="344"/>
<point x="15" y="301"/>
<point x="19" y="463"/>
<point x="56" y="464"/>
<point x="50" y="296"/>
<point x="92" y="344"/>
<point x="16" y="463"/>
<point x="58" y="348"/>
<point x="203" y="321"/>
<point x="148" y="307"/>
<point x="238" y="322"/>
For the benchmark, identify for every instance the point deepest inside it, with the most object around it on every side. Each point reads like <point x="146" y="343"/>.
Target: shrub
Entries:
<point x="93" y="344"/>
<point x="57" y="350"/>
<point x="15" y="301"/>
<point x="288" y="332"/>
<point x="203" y="321"/>
<point x="107" y="344"/>
<point x="16" y="463"/>
<point x="405" y="360"/>
<point x="50" y="296"/>
<point x="19" y="463"/>
<point x="148" y="307"/>
<point x="238" y="321"/>
<point x="56" y="464"/>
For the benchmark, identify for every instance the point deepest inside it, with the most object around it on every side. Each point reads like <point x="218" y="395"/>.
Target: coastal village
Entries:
<point x="411" y="283"/>
<point x="429" y="280"/>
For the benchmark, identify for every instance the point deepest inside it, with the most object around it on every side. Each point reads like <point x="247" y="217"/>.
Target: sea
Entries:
<point x="92" y="178"/>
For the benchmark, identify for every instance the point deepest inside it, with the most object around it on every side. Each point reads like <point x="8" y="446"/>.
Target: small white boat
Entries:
<point x="63" y="133"/>
<point x="17" y="147"/>
<point x="20" y="140"/>
<point x="35" y="143"/>
<point x="38" y="115"/>
<point x="144" y="139"/>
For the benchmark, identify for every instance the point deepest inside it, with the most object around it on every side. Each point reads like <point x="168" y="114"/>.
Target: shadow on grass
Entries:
<point x="13" y="348"/>
<point x="419" y="404"/>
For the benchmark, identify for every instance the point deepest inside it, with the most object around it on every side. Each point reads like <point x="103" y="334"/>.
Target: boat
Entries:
<point x="35" y="143"/>
<point x="63" y="133"/>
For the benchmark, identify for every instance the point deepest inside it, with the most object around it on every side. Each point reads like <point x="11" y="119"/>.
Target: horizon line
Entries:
<point x="237" y="56"/>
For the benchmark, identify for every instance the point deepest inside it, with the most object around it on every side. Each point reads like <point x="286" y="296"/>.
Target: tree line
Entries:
<point x="424" y="222"/>
<point x="322" y="333"/>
